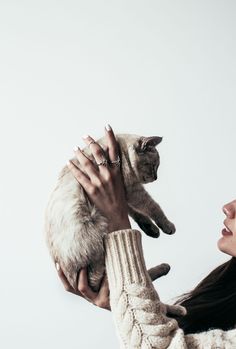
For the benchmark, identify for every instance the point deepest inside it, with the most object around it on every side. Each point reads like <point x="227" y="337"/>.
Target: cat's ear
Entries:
<point x="147" y="142"/>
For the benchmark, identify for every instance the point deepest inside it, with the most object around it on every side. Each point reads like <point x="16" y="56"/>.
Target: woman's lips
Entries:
<point x="226" y="232"/>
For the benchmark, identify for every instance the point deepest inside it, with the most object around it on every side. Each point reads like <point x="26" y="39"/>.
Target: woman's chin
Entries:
<point x="220" y="243"/>
<point x="225" y="246"/>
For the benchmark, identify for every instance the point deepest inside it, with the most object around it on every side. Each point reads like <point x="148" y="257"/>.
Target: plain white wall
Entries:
<point x="67" y="68"/>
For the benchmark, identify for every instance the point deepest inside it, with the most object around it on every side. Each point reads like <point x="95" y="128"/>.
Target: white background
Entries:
<point x="67" y="68"/>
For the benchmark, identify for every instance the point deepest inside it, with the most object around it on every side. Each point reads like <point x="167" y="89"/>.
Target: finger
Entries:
<point x="98" y="153"/>
<point x="80" y="176"/>
<point x="103" y="299"/>
<point x="158" y="271"/>
<point x="104" y="288"/>
<point x="87" y="164"/>
<point x="83" y="286"/>
<point x="64" y="280"/>
<point x="113" y="148"/>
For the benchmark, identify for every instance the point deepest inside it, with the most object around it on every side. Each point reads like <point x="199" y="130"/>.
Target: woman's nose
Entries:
<point x="230" y="209"/>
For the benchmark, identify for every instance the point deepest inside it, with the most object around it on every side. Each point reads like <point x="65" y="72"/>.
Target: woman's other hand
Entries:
<point x="100" y="299"/>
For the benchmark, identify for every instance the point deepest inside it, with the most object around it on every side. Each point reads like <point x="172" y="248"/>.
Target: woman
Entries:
<point x="140" y="318"/>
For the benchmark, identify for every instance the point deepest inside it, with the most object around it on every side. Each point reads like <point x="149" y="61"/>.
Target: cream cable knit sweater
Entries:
<point x="136" y="308"/>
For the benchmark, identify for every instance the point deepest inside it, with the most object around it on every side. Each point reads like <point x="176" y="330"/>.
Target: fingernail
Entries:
<point x="85" y="136"/>
<point x="68" y="163"/>
<point x="108" y="127"/>
<point x="57" y="266"/>
<point x="76" y="148"/>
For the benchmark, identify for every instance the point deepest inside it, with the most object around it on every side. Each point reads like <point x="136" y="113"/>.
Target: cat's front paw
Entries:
<point x="149" y="228"/>
<point x="168" y="228"/>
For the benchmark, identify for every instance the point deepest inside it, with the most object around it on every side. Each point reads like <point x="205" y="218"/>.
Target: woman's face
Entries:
<point x="227" y="243"/>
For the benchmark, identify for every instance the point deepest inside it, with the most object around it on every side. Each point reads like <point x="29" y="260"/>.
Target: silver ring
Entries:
<point x="116" y="162"/>
<point x="91" y="143"/>
<point x="104" y="162"/>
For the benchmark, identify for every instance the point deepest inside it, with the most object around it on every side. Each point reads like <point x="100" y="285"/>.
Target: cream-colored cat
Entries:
<point x="74" y="227"/>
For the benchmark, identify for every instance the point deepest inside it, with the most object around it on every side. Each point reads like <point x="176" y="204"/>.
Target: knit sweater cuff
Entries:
<point x="124" y="258"/>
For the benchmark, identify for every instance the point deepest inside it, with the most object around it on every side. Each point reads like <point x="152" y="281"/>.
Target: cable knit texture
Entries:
<point x="137" y="312"/>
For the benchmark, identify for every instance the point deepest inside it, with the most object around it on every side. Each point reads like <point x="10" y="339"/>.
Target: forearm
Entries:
<point x="134" y="301"/>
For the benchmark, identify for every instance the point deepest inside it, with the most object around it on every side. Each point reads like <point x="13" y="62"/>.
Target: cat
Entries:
<point x="74" y="227"/>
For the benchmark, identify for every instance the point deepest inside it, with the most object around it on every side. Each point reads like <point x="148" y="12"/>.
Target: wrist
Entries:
<point x="123" y="223"/>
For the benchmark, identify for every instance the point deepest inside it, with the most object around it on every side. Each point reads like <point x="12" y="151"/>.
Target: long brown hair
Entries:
<point x="212" y="303"/>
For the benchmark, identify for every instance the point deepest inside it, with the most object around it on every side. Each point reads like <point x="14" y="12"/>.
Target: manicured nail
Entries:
<point x="76" y="148"/>
<point x="57" y="266"/>
<point x="85" y="136"/>
<point x="108" y="127"/>
<point x="68" y="163"/>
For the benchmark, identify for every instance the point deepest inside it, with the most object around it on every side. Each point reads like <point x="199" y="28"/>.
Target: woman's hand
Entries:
<point x="100" y="299"/>
<point x="103" y="184"/>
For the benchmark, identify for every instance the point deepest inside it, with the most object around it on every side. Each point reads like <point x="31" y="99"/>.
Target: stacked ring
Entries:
<point x="116" y="162"/>
<point x="104" y="161"/>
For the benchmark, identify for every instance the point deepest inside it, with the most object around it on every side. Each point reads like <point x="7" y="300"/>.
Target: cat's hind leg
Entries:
<point x="144" y="223"/>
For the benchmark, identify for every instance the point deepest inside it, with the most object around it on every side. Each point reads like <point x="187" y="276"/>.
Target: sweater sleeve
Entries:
<point x="136" y="308"/>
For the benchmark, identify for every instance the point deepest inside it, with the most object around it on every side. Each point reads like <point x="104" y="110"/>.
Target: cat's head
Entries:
<point x="143" y="156"/>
